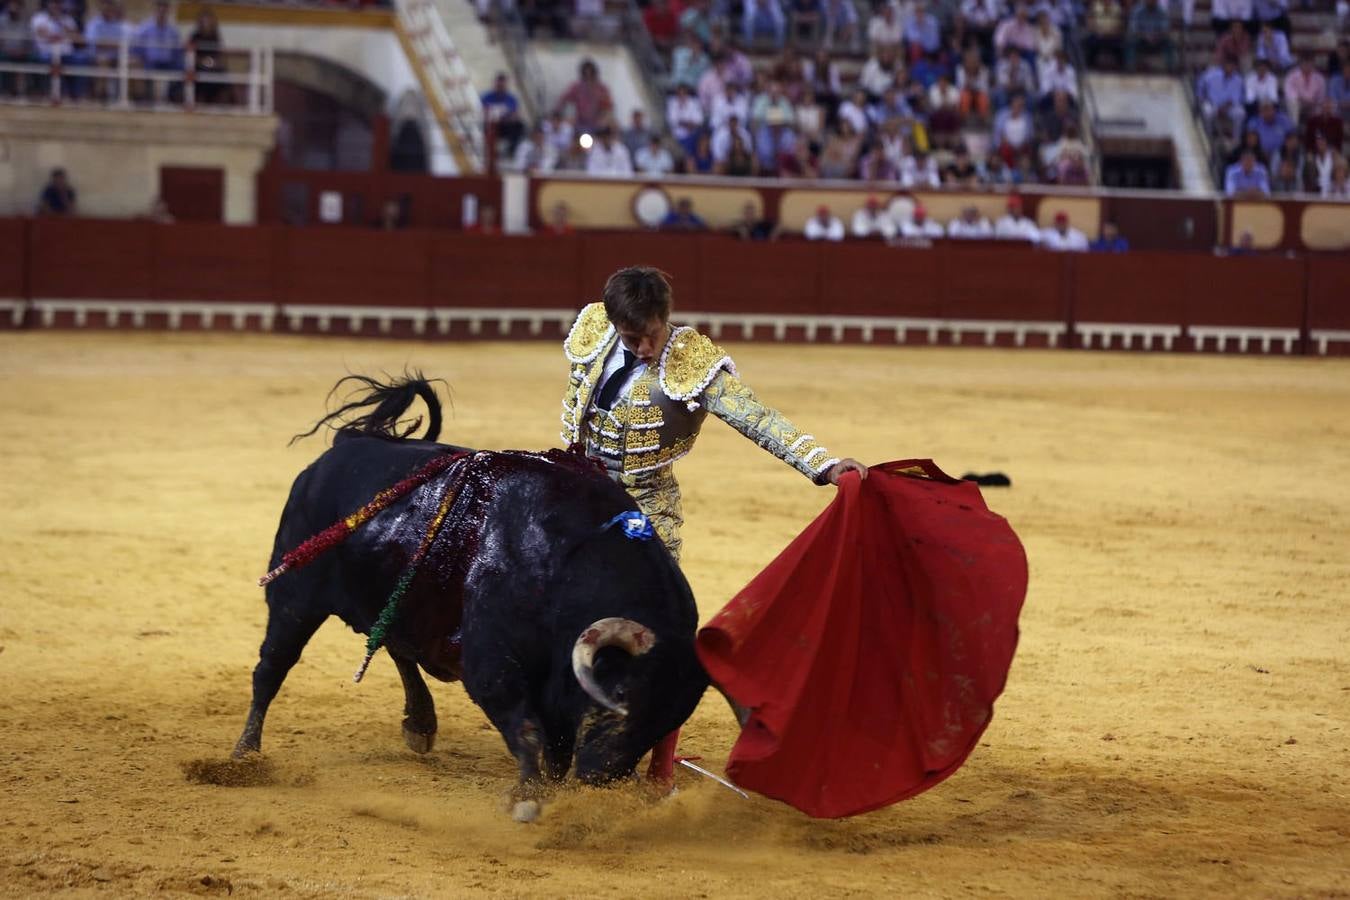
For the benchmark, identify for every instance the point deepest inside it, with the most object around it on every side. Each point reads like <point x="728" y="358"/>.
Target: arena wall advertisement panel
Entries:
<point x="107" y="273"/>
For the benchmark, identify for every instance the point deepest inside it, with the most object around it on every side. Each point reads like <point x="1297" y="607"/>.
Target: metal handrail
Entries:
<point x="1188" y="80"/>
<point x="655" y="75"/>
<point x="446" y="79"/>
<point x="515" y="44"/>
<point x="1088" y="118"/>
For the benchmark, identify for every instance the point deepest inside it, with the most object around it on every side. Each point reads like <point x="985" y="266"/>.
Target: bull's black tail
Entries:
<point x="386" y="403"/>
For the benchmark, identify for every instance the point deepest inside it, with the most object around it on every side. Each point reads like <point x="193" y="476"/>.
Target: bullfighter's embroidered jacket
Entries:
<point x="659" y="418"/>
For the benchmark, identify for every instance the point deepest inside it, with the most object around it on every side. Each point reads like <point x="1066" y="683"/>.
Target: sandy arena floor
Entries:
<point x="1177" y="720"/>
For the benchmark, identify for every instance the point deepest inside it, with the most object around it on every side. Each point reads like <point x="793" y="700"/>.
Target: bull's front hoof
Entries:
<point x="525" y="810"/>
<point x="418" y="742"/>
<point x="244" y="750"/>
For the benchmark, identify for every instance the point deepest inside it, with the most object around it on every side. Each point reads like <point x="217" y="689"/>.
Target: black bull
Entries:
<point x="576" y="641"/>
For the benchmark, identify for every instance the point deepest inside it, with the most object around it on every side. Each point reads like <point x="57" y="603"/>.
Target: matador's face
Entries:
<point x="645" y="343"/>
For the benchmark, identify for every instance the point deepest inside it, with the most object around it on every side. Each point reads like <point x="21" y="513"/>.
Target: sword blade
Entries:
<point x="717" y="778"/>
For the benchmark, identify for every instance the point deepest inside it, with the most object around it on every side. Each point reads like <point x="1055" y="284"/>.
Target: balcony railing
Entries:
<point x="135" y="74"/>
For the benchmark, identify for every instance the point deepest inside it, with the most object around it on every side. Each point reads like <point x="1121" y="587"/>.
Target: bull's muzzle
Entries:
<point x="632" y="637"/>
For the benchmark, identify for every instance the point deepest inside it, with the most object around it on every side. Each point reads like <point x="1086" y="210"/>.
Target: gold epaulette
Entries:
<point x="690" y="363"/>
<point x="589" y="334"/>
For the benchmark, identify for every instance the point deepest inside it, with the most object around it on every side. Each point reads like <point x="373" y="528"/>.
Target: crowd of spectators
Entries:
<point x="909" y="224"/>
<point x="1278" y="116"/>
<point x="75" y="36"/>
<point x="913" y="94"/>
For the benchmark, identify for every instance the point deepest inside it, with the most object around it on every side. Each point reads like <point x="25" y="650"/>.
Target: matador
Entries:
<point x="640" y="390"/>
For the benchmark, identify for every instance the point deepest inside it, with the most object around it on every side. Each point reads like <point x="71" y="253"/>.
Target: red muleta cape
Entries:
<point x="872" y="649"/>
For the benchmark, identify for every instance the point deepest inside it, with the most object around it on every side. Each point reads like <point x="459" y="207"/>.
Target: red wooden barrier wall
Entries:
<point x="74" y="259"/>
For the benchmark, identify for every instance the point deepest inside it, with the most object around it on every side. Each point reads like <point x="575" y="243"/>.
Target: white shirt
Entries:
<point x="685" y="116"/>
<point x="880" y="33"/>
<point x="613" y="363"/>
<point x="927" y="228"/>
<point x="982" y="14"/>
<point x="1053" y="78"/>
<point x="724" y="107"/>
<point x="1230" y="9"/>
<point x="49" y="33"/>
<point x="960" y="228"/>
<point x="874" y="79"/>
<point x="1020" y="228"/>
<point x="1072" y="240"/>
<point x="1267" y="88"/>
<point x="856" y="115"/>
<point x="657" y="162"/>
<point x="610" y="162"/>
<point x="721" y="142"/>
<point x="814" y="231"/>
<point x="867" y="224"/>
<point x="535" y="157"/>
<point x="914" y="175"/>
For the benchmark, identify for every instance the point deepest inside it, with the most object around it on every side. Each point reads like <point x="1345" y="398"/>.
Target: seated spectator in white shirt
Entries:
<point x="684" y="116"/>
<point x="721" y="138"/>
<point x="854" y="110"/>
<point x="1057" y="75"/>
<point x="1262" y="85"/>
<point x="885" y="29"/>
<point x="1338" y="186"/>
<point x="1049" y="40"/>
<point x="824" y="226"/>
<point x="1013" y="226"/>
<point x="1063" y="236"/>
<point x="920" y="226"/>
<point x="607" y="157"/>
<point x="981" y="16"/>
<point x="560" y="131"/>
<point x="970" y="224"/>
<point x="919" y="170"/>
<point x="731" y="102"/>
<point x="878" y="73"/>
<point x="654" y="159"/>
<point x="1069" y="142"/>
<point x="1016" y="31"/>
<point x="1013" y="128"/>
<point x="873" y="220"/>
<point x="536" y="153"/>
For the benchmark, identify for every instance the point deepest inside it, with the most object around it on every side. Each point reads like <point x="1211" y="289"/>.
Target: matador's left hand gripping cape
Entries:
<point x="659" y="419"/>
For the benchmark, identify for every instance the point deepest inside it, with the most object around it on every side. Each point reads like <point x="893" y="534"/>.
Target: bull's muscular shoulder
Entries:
<point x="689" y="364"/>
<point x="589" y="334"/>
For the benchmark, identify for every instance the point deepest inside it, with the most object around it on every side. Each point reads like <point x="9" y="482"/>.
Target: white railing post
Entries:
<point x="124" y="72"/>
<point x="55" y="70"/>
<point x="254" y="87"/>
<point x="268" y="78"/>
<point x="190" y="78"/>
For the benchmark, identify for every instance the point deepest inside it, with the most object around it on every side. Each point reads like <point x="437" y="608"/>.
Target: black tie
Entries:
<point x="610" y="390"/>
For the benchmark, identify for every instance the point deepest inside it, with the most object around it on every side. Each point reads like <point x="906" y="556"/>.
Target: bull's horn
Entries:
<point x="633" y="637"/>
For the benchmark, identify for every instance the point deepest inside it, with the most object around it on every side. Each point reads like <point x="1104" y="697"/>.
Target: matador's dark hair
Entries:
<point x="636" y="295"/>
